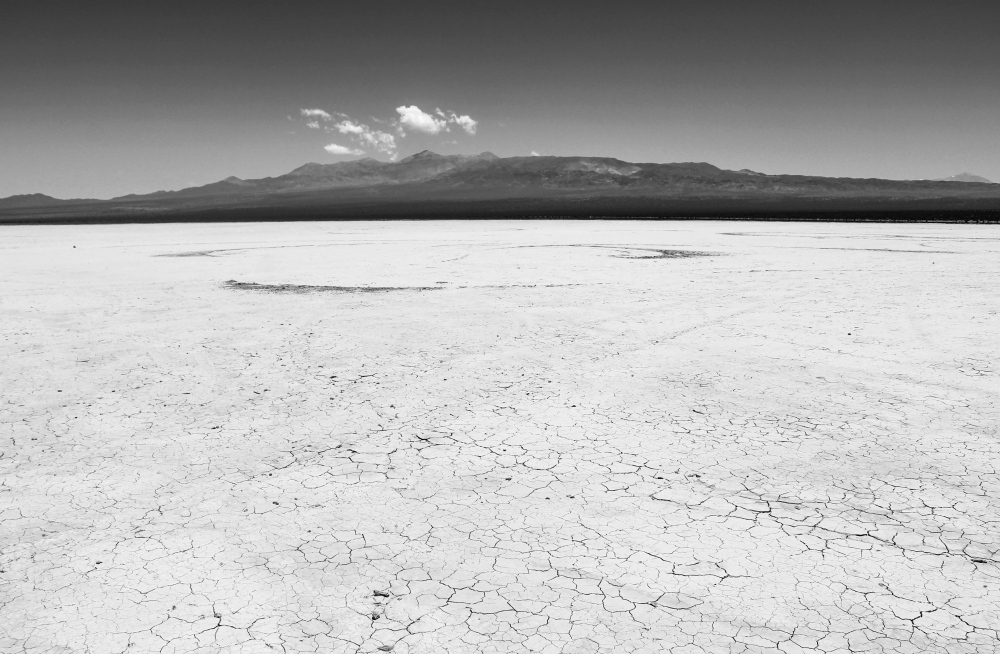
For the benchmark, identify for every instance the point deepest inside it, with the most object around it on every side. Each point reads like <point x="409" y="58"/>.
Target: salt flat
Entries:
<point x="534" y="437"/>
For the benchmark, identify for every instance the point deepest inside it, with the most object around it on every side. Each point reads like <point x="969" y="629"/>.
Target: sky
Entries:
<point x="100" y="99"/>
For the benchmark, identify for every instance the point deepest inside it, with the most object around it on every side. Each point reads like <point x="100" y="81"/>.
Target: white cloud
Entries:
<point x="465" y="122"/>
<point x="414" y="119"/>
<point x="347" y="127"/>
<point x="411" y="118"/>
<point x="316" y="113"/>
<point x="333" y="148"/>
<point x="378" y="140"/>
<point x="381" y="141"/>
<point x="535" y="154"/>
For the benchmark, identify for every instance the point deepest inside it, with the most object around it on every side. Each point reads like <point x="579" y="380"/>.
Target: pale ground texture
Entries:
<point x="791" y="446"/>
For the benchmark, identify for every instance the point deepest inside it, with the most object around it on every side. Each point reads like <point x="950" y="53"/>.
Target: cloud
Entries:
<point x="316" y="113"/>
<point x="465" y="122"/>
<point x="347" y="127"/>
<point x="411" y="119"/>
<point x="381" y="141"/>
<point x="535" y="154"/>
<point x="378" y="140"/>
<point x="416" y="120"/>
<point x="333" y="148"/>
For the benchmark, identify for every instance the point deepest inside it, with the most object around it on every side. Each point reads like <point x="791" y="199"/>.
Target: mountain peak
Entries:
<point x="317" y="169"/>
<point x="423" y="155"/>
<point x="306" y="169"/>
<point x="964" y="177"/>
<point x="28" y="200"/>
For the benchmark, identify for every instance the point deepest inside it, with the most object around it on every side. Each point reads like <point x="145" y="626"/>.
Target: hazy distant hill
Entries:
<point x="428" y="184"/>
<point x="29" y="200"/>
<point x="964" y="177"/>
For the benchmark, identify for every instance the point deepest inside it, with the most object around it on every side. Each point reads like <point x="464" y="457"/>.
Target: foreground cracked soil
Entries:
<point x="288" y="444"/>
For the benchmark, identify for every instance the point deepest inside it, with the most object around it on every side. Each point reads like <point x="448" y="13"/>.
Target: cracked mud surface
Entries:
<point x="789" y="448"/>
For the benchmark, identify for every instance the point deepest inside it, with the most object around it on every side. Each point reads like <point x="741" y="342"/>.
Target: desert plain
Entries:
<point x="557" y="437"/>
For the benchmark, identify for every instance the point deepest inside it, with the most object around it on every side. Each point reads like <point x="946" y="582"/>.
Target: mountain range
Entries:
<point x="428" y="185"/>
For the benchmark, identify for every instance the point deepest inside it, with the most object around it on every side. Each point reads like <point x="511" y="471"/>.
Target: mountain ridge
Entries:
<point x="964" y="177"/>
<point x="35" y="200"/>
<point x="548" y="184"/>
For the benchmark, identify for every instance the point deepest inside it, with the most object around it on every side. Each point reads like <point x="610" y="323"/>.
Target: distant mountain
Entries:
<point x="313" y="176"/>
<point x="433" y="185"/>
<point x="369" y="172"/>
<point x="964" y="177"/>
<point x="29" y="200"/>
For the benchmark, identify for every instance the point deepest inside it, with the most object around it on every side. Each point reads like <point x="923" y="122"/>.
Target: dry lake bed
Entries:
<point x="435" y="437"/>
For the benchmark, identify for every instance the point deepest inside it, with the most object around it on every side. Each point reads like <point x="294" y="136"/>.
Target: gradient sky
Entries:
<point x="99" y="99"/>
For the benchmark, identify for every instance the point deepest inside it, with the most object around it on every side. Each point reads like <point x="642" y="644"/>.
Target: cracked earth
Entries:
<point x="499" y="437"/>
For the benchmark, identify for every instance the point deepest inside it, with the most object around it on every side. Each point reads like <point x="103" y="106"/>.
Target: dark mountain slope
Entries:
<point x="428" y="184"/>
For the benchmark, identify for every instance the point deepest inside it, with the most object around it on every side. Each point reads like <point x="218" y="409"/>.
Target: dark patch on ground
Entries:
<point x="202" y="253"/>
<point x="303" y="288"/>
<point x="627" y="250"/>
<point x="663" y="254"/>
